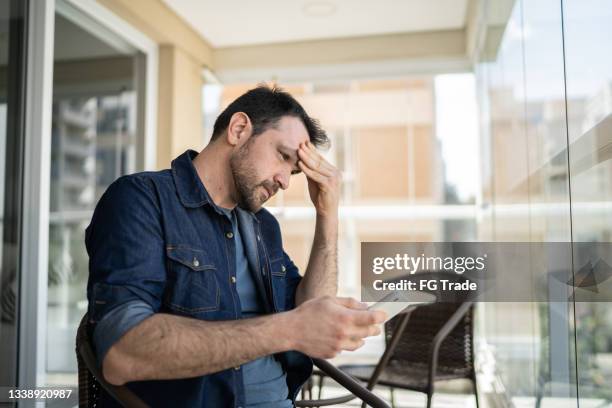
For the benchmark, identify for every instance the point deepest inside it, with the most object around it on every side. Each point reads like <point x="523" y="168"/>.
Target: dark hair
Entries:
<point x="265" y="106"/>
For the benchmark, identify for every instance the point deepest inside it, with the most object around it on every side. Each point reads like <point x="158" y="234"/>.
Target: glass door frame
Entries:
<point x="37" y="164"/>
<point x="11" y="159"/>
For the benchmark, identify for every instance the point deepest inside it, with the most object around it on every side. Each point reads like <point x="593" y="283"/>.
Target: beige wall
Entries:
<point x="180" y="109"/>
<point x="448" y="44"/>
<point x="381" y="161"/>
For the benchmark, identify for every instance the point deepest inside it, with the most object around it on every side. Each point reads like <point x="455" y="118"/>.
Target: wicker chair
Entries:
<point x="91" y="381"/>
<point x="429" y="343"/>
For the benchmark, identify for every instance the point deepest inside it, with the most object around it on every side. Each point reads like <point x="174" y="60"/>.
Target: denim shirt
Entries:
<point x="158" y="238"/>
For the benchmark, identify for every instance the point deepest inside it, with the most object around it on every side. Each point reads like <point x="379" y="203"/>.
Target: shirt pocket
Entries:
<point x="278" y="271"/>
<point x="192" y="283"/>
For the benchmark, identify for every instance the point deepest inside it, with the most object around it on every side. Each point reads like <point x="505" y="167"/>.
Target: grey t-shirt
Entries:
<point x="265" y="382"/>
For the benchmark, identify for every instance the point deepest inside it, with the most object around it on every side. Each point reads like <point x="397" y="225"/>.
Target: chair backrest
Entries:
<point x="91" y="382"/>
<point x="456" y="353"/>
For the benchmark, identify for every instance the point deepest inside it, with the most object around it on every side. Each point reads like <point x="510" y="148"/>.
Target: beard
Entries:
<point x="250" y="192"/>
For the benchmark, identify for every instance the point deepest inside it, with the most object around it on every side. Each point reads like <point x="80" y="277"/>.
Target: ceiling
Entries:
<point x="232" y="23"/>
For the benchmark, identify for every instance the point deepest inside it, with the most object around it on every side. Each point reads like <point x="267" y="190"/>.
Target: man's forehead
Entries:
<point x="291" y="132"/>
<point x="291" y="144"/>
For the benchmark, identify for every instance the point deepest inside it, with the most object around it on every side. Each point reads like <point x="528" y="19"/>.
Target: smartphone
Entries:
<point x="392" y="305"/>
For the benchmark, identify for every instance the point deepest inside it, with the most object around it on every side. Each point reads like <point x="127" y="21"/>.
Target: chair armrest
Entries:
<point x="348" y="382"/>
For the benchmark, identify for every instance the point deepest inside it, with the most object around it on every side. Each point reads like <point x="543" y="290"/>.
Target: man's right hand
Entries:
<point x="323" y="327"/>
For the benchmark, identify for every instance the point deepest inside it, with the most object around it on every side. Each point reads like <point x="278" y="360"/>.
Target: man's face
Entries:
<point x="264" y="163"/>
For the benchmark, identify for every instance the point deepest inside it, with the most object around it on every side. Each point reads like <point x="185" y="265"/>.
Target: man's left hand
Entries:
<point x="324" y="180"/>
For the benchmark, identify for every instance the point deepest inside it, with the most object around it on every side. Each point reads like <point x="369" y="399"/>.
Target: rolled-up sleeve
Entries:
<point x="116" y="323"/>
<point x="127" y="272"/>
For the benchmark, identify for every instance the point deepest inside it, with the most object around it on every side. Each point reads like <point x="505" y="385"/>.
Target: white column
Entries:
<point x="37" y="166"/>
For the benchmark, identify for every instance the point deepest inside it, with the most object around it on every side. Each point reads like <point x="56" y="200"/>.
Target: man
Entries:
<point x="192" y="300"/>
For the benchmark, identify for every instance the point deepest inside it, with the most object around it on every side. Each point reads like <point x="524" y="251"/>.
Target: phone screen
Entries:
<point x="391" y="305"/>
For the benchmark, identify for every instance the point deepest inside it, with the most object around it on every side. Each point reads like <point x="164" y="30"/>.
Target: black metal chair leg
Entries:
<point x="538" y="400"/>
<point x="475" y="383"/>
<point x="320" y="384"/>
<point x="540" y="392"/>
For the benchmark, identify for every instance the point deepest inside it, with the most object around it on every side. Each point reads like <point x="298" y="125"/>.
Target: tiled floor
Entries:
<point x="407" y="399"/>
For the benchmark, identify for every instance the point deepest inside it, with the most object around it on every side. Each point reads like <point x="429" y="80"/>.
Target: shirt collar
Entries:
<point x="191" y="190"/>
